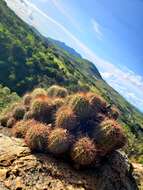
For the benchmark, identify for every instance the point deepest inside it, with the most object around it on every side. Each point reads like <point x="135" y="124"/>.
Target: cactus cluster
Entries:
<point x="57" y="91"/>
<point x="81" y="126"/>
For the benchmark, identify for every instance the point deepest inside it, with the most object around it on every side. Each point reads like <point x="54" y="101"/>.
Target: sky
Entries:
<point x="108" y="33"/>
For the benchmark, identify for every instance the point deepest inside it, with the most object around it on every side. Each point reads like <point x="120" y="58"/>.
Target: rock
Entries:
<point x="22" y="170"/>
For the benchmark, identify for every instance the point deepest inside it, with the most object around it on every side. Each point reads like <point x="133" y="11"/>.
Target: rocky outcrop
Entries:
<point x="19" y="169"/>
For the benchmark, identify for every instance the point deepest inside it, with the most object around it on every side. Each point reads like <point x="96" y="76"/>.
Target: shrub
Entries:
<point x="66" y="118"/>
<point x="21" y="127"/>
<point x="79" y="105"/>
<point x="38" y="92"/>
<point x="109" y="136"/>
<point x="57" y="91"/>
<point x="83" y="151"/>
<point x="42" y="110"/>
<point x="19" y="112"/>
<point x="114" y="113"/>
<point x="59" y="141"/>
<point x="10" y="123"/>
<point x="97" y="103"/>
<point x="37" y="137"/>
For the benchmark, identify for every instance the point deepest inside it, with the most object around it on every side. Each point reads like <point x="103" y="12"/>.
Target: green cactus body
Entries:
<point x="59" y="141"/>
<point x="109" y="136"/>
<point x="97" y="103"/>
<point x="10" y="123"/>
<point x="66" y="118"/>
<point x="20" y="128"/>
<point x="42" y="110"/>
<point x="19" y="112"/>
<point x="57" y="91"/>
<point x="79" y="105"/>
<point x="38" y="92"/>
<point x="114" y="113"/>
<point x="83" y="151"/>
<point x="37" y="137"/>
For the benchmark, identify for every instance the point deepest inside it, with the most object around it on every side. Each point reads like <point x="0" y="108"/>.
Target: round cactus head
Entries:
<point x="27" y="100"/>
<point x="42" y="110"/>
<point x="59" y="141"/>
<point x="37" y="137"/>
<point x="3" y="120"/>
<point x="58" y="102"/>
<point x="19" y="112"/>
<point x="10" y="123"/>
<point x="66" y="118"/>
<point x="38" y="92"/>
<point x="28" y="115"/>
<point x="57" y="91"/>
<point x="20" y="128"/>
<point x="97" y="103"/>
<point x="114" y="113"/>
<point x="79" y="105"/>
<point x="83" y="151"/>
<point x="109" y="136"/>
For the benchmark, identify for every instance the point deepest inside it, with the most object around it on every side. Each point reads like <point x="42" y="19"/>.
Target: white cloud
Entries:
<point x="123" y="80"/>
<point x="97" y="29"/>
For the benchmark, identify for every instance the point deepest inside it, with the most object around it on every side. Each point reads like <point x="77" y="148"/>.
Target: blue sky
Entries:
<point x="109" y="33"/>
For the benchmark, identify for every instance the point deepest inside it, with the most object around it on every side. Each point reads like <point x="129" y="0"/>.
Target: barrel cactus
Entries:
<point x="97" y="103"/>
<point x="59" y="141"/>
<point x="10" y="123"/>
<point x="19" y="112"/>
<point x="109" y="136"/>
<point x="114" y="113"/>
<point x="4" y="119"/>
<point x="27" y="100"/>
<point x="42" y="110"/>
<point x="57" y="91"/>
<point x="79" y="105"/>
<point x="20" y="129"/>
<point x="28" y="115"/>
<point x="38" y="92"/>
<point x="58" y="102"/>
<point x="66" y="118"/>
<point x="83" y="151"/>
<point x="37" y="137"/>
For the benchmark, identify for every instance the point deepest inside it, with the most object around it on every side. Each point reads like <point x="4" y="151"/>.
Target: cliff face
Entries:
<point x="19" y="169"/>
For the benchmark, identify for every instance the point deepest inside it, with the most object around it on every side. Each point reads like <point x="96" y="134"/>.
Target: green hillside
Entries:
<point x="28" y="60"/>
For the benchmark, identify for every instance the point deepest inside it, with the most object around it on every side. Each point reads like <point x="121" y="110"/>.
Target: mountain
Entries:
<point x="27" y="60"/>
<point x="64" y="47"/>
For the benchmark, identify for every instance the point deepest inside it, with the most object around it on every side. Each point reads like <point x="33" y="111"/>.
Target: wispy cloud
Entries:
<point x="97" y="29"/>
<point x="123" y="80"/>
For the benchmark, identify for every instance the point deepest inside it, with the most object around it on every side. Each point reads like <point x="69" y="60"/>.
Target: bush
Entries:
<point x="21" y="127"/>
<point x="42" y="110"/>
<point x="19" y="112"/>
<point x="83" y="151"/>
<point x="37" y="137"/>
<point x="79" y="105"/>
<point x="109" y="136"/>
<point x="59" y="141"/>
<point x="57" y="91"/>
<point x="66" y="118"/>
